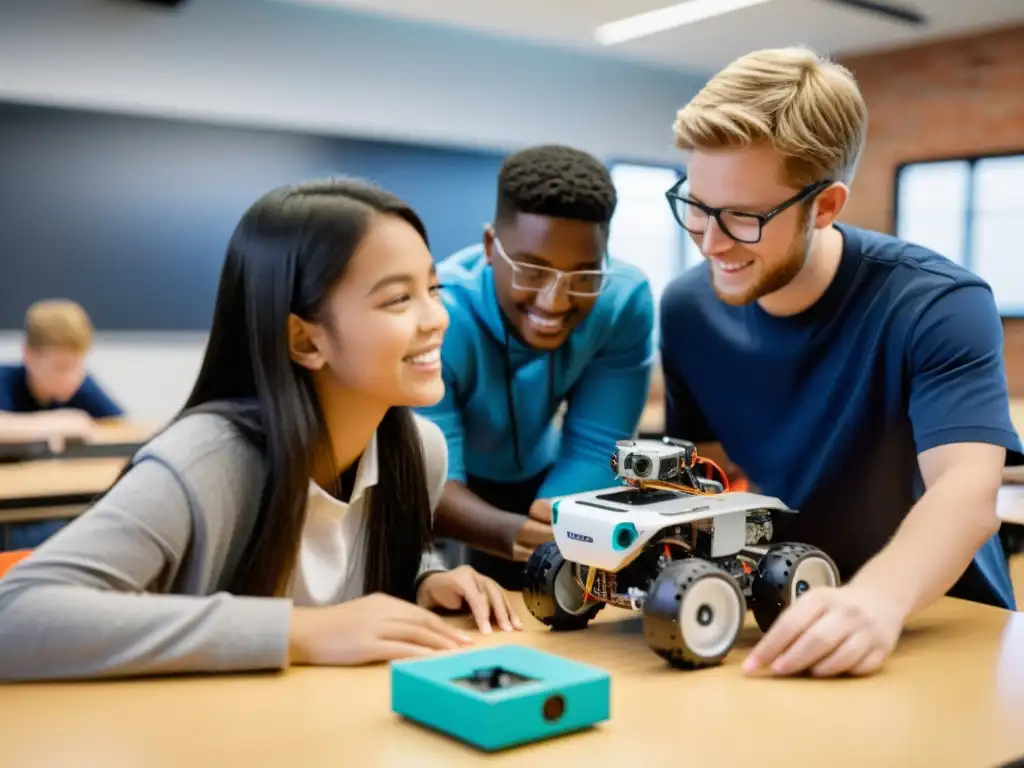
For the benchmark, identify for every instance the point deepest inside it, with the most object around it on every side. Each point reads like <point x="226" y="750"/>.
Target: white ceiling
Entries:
<point x="707" y="45"/>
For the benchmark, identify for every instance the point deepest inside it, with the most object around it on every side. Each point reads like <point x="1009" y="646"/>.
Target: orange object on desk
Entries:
<point x="9" y="559"/>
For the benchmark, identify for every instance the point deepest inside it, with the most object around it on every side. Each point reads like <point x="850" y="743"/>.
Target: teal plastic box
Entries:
<point x="500" y="697"/>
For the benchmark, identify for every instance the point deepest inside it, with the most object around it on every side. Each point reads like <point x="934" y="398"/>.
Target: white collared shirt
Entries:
<point x="332" y="555"/>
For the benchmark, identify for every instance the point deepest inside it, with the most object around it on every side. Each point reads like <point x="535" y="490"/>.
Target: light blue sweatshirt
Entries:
<point x="602" y="371"/>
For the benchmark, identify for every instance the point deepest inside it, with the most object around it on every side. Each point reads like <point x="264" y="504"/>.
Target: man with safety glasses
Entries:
<point x="546" y="361"/>
<point x="855" y="376"/>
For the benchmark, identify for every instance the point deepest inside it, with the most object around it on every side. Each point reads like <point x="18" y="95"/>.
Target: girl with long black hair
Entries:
<point x="285" y="515"/>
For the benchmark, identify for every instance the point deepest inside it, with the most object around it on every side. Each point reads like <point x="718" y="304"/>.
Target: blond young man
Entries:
<point x="50" y="395"/>
<point x="856" y="376"/>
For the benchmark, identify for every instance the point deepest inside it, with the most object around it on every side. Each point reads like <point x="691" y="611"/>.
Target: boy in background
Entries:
<point x="541" y="318"/>
<point x="49" y="395"/>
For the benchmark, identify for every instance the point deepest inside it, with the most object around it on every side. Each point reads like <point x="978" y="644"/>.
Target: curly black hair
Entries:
<point x="557" y="181"/>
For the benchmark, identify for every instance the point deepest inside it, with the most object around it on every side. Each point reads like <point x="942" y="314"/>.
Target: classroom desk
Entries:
<point x="107" y="440"/>
<point x="953" y="695"/>
<point x="111" y="440"/>
<point x="53" y="488"/>
<point x="122" y="432"/>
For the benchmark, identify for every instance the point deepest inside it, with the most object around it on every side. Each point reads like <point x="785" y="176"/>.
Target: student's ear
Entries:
<point x="489" y="243"/>
<point x="830" y="204"/>
<point x="302" y="344"/>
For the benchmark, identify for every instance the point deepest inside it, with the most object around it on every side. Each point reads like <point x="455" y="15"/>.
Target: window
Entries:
<point x="968" y="210"/>
<point x="932" y="206"/>
<point x="643" y="231"/>
<point x="997" y="215"/>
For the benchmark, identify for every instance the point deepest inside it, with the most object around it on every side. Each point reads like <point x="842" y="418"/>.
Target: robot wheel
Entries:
<point x="693" y="614"/>
<point x="784" y="572"/>
<point x="551" y="592"/>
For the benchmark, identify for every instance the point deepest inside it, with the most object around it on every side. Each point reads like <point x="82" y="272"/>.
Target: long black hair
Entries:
<point x="287" y="252"/>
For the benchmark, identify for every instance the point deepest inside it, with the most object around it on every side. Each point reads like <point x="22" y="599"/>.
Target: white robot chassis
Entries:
<point x="678" y="547"/>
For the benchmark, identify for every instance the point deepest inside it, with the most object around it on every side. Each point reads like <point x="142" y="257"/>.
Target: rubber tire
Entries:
<point x="661" y="612"/>
<point x="539" y="591"/>
<point x="773" y="584"/>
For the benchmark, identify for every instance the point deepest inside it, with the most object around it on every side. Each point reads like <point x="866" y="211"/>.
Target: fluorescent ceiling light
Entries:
<point x="651" y="22"/>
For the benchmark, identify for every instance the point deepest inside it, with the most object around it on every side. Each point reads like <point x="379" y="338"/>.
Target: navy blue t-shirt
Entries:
<point x="15" y="396"/>
<point x="829" y="408"/>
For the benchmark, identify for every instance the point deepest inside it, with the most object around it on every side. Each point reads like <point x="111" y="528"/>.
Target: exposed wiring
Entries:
<point x="715" y="468"/>
<point x="678" y="543"/>
<point x="663" y="485"/>
<point x="587" y="588"/>
<point x="591" y="575"/>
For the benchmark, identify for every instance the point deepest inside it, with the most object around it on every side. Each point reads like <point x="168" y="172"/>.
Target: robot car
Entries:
<point x="675" y="544"/>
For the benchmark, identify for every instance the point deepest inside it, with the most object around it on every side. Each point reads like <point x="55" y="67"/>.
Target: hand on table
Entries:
<point x="465" y="586"/>
<point x="373" y="628"/>
<point x="64" y="424"/>
<point x="830" y="631"/>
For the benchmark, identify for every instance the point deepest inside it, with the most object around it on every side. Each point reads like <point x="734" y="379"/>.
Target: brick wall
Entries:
<point x="948" y="99"/>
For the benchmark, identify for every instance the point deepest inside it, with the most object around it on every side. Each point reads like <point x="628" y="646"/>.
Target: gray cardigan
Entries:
<point x="136" y="584"/>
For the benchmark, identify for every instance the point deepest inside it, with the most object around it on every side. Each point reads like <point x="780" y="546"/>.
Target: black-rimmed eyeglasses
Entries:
<point x="741" y="226"/>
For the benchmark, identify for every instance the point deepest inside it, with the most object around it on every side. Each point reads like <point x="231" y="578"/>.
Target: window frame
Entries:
<point x="679" y="170"/>
<point x="972" y="161"/>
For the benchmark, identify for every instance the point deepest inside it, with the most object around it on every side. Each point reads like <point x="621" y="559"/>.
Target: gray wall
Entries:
<point x="131" y="216"/>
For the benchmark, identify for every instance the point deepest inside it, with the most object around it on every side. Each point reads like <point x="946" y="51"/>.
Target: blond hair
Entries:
<point x="807" y="107"/>
<point x="58" y="323"/>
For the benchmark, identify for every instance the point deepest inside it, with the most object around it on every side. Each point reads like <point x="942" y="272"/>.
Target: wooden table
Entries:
<point x="53" y="488"/>
<point x="107" y="439"/>
<point x="952" y="695"/>
<point x="116" y="431"/>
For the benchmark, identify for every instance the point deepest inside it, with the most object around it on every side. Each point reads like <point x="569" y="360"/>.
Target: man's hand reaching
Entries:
<point x="540" y="511"/>
<point x="831" y="631"/>
<point x="535" y="530"/>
